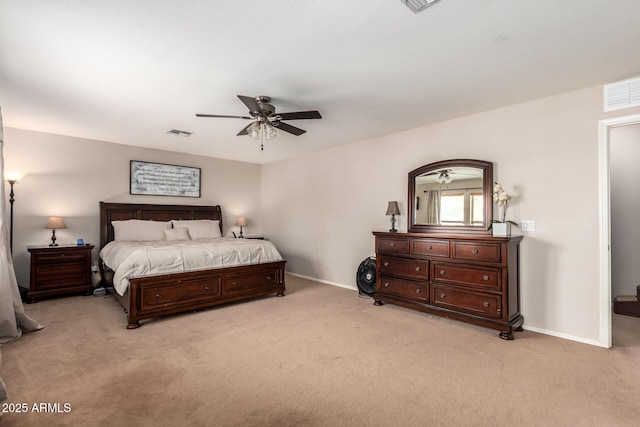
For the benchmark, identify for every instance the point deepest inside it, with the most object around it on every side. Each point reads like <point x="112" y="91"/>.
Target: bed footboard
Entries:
<point x="177" y="293"/>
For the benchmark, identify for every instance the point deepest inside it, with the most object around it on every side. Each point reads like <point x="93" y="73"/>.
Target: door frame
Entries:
<point x="604" y="173"/>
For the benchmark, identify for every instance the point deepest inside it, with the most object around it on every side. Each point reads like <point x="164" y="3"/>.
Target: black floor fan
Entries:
<point x="366" y="277"/>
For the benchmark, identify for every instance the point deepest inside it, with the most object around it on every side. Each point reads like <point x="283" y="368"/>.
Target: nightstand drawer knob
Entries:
<point x="474" y="251"/>
<point x="443" y="295"/>
<point x="387" y="284"/>
<point x="485" y="277"/>
<point x="486" y="304"/>
<point x="206" y="288"/>
<point x="429" y="247"/>
<point x="393" y="245"/>
<point x="386" y="264"/>
<point x="417" y="268"/>
<point x="269" y="279"/>
<point x="158" y="296"/>
<point x="442" y="272"/>
<point x="418" y="290"/>
<point x="233" y="283"/>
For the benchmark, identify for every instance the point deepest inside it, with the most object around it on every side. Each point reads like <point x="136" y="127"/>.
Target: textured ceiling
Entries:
<point x="128" y="71"/>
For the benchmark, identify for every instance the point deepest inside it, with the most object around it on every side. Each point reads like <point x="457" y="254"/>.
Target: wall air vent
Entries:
<point x="178" y="132"/>
<point x="622" y="95"/>
<point x="418" y="5"/>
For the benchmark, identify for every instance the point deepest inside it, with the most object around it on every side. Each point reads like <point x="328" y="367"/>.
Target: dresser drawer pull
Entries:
<point x="429" y="247"/>
<point x="417" y="268"/>
<point x="268" y="278"/>
<point x="393" y="245"/>
<point x="386" y="284"/>
<point x="233" y="283"/>
<point x="206" y="288"/>
<point x="474" y="251"/>
<point x="418" y="290"/>
<point x="443" y="295"/>
<point x="442" y="272"/>
<point x="486" y="304"/>
<point x="485" y="277"/>
<point x="386" y="264"/>
<point x="158" y="296"/>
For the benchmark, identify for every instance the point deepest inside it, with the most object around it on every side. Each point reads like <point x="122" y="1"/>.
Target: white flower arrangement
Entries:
<point x="501" y="198"/>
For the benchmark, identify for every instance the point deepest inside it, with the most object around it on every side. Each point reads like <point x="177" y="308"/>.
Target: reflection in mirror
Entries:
<point x="451" y="196"/>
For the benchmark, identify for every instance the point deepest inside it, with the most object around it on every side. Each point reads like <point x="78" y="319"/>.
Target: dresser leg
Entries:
<point x="133" y="325"/>
<point x="378" y="302"/>
<point x="280" y="294"/>
<point x="506" y="335"/>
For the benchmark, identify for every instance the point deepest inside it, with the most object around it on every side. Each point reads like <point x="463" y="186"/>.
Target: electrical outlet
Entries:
<point x="528" y="225"/>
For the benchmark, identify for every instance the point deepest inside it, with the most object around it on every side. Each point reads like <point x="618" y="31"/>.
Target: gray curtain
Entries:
<point x="433" y="207"/>
<point x="13" y="320"/>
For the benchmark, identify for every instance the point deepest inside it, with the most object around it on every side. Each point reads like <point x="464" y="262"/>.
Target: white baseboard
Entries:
<point x="564" y="336"/>
<point x="326" y="282"/>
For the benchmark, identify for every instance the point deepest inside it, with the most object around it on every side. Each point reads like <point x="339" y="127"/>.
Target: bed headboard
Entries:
<point x="123" y="211"/>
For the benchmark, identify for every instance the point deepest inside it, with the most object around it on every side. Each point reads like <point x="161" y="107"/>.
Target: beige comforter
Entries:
<point x="137" y="259"/>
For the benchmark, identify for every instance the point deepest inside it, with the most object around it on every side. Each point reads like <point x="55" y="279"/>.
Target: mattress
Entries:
<point x="130" y="259"/>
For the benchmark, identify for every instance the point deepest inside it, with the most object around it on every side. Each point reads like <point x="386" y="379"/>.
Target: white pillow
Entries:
<point x="176" y="234"/>
<point x="200" y="228"/>
<point x="136" y="230"/>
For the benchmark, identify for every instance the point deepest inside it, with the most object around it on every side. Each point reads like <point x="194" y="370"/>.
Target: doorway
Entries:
<point x="604" y="137"/>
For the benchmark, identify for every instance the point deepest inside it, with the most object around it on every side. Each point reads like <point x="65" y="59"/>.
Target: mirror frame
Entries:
<point x="487" y="189"/>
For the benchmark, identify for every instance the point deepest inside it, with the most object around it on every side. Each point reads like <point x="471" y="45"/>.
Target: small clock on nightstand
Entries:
<point x="58" y="270"/>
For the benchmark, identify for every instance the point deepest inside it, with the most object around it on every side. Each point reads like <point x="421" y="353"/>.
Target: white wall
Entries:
<point x="625" y="207"/>
<point x="545" y="153"/>
<point x="69" y="176"/>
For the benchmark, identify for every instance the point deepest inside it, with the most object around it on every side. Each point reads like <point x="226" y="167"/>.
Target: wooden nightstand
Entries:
<point x="58" y="270"/>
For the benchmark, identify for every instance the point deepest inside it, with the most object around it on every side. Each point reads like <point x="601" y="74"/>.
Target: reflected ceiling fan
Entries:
<point x="264" y="119"/>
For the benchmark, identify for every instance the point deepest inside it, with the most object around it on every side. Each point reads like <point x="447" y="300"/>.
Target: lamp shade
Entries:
<point x="241" y="221"/>
<point x="393" y="209"/>
<point x="13" y="176"/>
<point x="55" y="223"/>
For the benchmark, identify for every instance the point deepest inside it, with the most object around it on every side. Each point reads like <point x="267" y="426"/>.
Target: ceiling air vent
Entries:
<point x="622" y="95"/>
<point x="418" y="5"/>
<point x="179" y="132"/>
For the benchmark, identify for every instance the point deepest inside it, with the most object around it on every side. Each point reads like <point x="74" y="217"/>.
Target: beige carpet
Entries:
<point x="321" y="356"/>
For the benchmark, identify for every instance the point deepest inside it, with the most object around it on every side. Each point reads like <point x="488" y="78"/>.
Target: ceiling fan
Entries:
<point x="264" y="118"/>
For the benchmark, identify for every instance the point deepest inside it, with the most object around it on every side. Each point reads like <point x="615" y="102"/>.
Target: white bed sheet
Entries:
<point x="139" y="259"/>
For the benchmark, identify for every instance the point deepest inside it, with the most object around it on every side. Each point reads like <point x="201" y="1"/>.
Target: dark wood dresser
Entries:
<point x="58" y="270"/>
<point x="471" y="278"/>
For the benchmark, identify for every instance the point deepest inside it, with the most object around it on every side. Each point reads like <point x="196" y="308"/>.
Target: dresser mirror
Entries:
<point x="451" y="196"/>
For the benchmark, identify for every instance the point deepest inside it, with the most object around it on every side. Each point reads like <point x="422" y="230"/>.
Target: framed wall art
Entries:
<point x="158" y="179"/>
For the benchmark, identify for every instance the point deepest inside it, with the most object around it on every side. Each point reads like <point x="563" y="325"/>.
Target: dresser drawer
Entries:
<point x="412" y="268"/>
<point x="188" y="291"/>
<point x="403" y="288"/>
<point x="393" y="246"/>
<point x="242" y="284"/>
<point x="433" y="248"/>
<point x="489" y="252"/>
<point x="487" y="305"/>
<point x="486" y="278"/>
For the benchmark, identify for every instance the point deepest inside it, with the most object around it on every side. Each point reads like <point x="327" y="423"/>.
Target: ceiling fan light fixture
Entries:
<point x="444" y="178"/>
<point x="418" y="5"/>
<point x="254" y="130"/>
<point x="269" y="131"/>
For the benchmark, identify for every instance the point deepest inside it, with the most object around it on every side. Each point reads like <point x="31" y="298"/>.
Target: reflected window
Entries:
<point x="461" y="207"/>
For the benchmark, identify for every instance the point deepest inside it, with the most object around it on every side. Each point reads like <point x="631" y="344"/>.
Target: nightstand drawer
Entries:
<point x="67" y="268"/>
<point x="59" y="255"/>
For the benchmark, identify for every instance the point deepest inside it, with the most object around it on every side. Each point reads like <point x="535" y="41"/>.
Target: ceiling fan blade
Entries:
<point x="224" y="117"/>
<point x="244" y="131"/>
<point x="251" y="104"/>
<point x="300" y="115"/>
<point x="288" y="128"/>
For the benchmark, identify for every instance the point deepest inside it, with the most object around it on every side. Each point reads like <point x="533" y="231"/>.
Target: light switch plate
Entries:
<point x="528" y="225"/>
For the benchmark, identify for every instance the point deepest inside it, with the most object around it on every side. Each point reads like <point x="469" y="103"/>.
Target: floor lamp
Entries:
<point x="12" y="178"/>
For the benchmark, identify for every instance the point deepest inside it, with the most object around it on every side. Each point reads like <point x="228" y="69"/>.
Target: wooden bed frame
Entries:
<point x="155" y="296"/>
